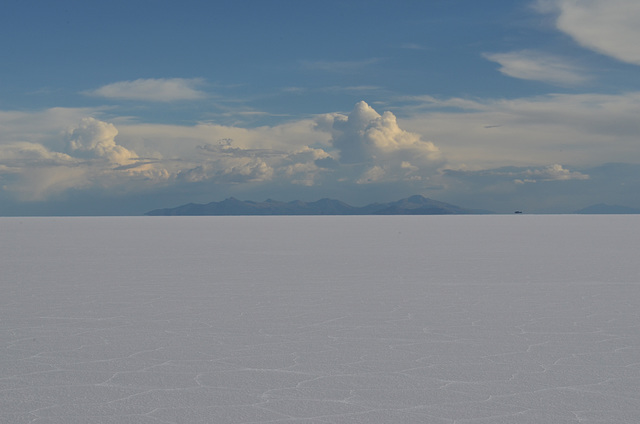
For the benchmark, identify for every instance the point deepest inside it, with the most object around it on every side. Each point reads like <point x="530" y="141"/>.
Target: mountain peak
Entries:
<point x="417" y="198"/>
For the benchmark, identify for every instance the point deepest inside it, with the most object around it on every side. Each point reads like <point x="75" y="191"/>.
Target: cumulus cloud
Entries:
<point x="84" y="156"/>
<point x="302" y="166"/>
<point x="609" y="27"/>
<point x="538" y="66"/>
<point x="365" y="137"/>
<point x="331" y="148"/>
<point x="152" y="89"/>
<point x="223" y="162"/>
<point x="94" y="139"/>
<point x="363" y="147"/>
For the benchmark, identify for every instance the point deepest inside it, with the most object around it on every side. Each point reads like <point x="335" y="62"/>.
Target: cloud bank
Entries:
<point x="362" y="147"/>
<point x="546" y="139"/>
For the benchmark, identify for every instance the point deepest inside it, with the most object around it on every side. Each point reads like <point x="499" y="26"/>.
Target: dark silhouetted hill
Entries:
<point x="414" y="205"/>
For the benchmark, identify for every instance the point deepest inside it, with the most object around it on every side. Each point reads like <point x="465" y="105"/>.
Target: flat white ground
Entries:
<point x="426" y="319"/>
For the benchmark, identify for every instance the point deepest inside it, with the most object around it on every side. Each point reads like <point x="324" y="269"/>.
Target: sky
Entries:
<point x="120" y="107"/>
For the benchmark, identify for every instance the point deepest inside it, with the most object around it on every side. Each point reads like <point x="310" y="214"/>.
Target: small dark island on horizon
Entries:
<point x="414" y="205"/>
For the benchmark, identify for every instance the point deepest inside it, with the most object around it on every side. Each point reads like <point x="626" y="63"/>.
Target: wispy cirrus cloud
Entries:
<point x="354" y="88"/>
<point x="572" y="129"/>
<point x="538" y="66"/>
<point x="555" y="172"/>
<point x="152" y="89"/>
<point x="345" y="66"/>
<point x="412" y="46"/>
<point x="609" y="27"/>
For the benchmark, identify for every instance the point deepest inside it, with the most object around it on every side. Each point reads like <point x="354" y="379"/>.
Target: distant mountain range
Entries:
<point x="601" y="208"/>
<point x="414" y="205"/>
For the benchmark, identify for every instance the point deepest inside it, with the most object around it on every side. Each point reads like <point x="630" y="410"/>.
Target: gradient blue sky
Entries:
<point x="121" y="107"/>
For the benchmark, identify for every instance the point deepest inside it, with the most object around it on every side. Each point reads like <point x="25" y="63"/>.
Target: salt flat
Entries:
<point x="404" y="319"/>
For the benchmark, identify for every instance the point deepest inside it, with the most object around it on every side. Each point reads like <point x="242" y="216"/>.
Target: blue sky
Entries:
<point x="122" y="107"/>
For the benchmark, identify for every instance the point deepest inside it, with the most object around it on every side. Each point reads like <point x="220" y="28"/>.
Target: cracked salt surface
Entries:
<point x="430" y="319"/>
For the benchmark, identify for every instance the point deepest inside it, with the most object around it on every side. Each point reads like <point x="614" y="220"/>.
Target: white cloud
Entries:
<point x="225" y="163"/>
<point x="301" y="167"/>
<point x="609" y="27"/>
<point x="228" y="170"/>
<point x="573" y="129"/>
<point x="36" y="173"/>
<point x="557" y="173"/>
<point x="42" y="127"/>
<point x="178" y="141"/>
<point x="366" y="136"/>
<point x="158" y="90"/>
<point x="550" y="173"/>
<point x="50" y="160"/>
<point x="46" y="153"/>
<point x="96" y="139"/>
<point x="388" y="152"/>
<point x="372" y="175"/>
<point x="538" y="66"/>
<point x="335" y="149"/>
<point x="20" y="154"/>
